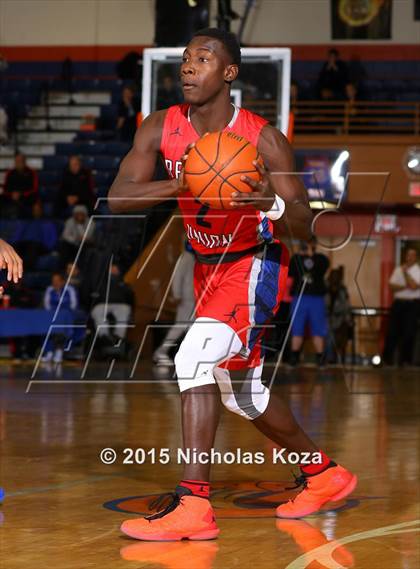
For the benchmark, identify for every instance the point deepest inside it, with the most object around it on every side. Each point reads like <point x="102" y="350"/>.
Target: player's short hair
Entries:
<point x="228" y="39"/>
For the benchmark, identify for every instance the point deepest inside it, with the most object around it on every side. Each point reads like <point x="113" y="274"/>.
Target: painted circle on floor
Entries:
<point x="236" y="500"/>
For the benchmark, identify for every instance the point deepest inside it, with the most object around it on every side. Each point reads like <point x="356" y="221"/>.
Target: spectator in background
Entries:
<point x="351" y="94"/>
<point x="168" y="93"/>
<point x="67" y="299"/>
<point x="357" y="74"/>
<point x="77" y="188"/>
<point x="402" y="325"/>
<point x="77" y="228"/>
<point x="339" y="316"/>
<point x="127" y="115"/>
<point x="129" y="67"/>
<point x="23" y="347"/>
<point x="3" y="125"/>
<point x="20" y="190"/>
<point x="333" y="77"/>
<point x="67" y="74"/>
<point x="183" y="293"/>
<point x="308" y="269"/>
<point x="35" y="237"/>
<point x="113" y="303"/>
<point x="75" y="278"/>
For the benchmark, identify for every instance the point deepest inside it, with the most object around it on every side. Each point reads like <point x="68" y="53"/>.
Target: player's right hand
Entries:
<point x="10" y="261"/>
<point x="182" y="186"/>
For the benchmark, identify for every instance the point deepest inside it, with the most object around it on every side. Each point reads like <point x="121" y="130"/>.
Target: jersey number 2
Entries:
<point x="201" y="214"/>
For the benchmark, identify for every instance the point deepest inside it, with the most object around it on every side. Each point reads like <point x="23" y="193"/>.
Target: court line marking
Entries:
<point x="95" y="538"/>
<point x="323" y="554"/>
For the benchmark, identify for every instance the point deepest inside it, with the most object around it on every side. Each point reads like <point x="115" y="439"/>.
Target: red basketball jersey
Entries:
<point x="213" y="231"/>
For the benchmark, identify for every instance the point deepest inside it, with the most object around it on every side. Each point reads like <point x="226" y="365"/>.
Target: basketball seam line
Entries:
<point x="210" y="166"/>
<point x="218" y="174"/>
<point x="224" y="180"/>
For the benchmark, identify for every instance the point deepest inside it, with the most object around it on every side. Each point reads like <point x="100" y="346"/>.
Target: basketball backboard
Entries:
<point x="263" y="85"/>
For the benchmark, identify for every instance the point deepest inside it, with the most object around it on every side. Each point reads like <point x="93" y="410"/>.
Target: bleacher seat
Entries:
<point x="36" y="279"/>
<point x="49" y="177"/>
<point x="47" y="194"/>
<point x="103" y="178"/>
<point x="49" y="262"/>
<point x="96" y="135"/>
<point x="118" y="148"/>
<point x="48" y="209"/>
<point x="105" y="162"/>
<point x="102" y="191"/>
<point x="55" y="162"/>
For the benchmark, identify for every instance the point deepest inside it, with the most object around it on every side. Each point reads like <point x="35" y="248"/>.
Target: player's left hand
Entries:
<point x="262" y="195"/>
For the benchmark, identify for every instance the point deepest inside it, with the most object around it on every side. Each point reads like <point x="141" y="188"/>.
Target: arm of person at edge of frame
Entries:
<point x="133" y="188"/>
<point x="10" y="261"/>
<point x="277" y="155"/>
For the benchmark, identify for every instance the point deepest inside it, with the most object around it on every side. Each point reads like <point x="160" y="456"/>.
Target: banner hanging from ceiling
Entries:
<point x="361" y="19"/>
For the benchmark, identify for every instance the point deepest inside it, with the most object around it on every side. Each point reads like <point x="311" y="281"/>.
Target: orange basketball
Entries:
<point x="215" y="165"/>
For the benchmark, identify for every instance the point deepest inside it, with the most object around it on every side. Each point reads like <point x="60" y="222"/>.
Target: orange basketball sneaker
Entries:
<point x="185" y="517"/>
<point x="310" y="540"/>
<point x="332" y="484"/>
<point x="173" y="555"/>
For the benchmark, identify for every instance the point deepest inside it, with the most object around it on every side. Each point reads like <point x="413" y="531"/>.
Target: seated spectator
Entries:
<point x="3" y="125"/>
<point x="332" y="79"/>
<point x="113" y="302"/>
<point x="22" y="347"/>
<point x="35" y="237"/>
<point x="127" y="115"/>
<point x="77" y="188"/>
<point x="67" y="299"/>
<point x="75" y="278"/>
<point x="20" y="190"/>
<point x="77" y="228"/>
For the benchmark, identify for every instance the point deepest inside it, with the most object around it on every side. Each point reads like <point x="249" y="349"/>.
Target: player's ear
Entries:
<point x="231" y="73"/>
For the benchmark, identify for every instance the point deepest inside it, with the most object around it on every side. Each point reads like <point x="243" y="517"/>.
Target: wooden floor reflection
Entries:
<point x="63" y="506"/>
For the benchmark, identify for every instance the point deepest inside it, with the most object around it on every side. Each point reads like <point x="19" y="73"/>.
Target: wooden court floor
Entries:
<point x="63" y="506"/>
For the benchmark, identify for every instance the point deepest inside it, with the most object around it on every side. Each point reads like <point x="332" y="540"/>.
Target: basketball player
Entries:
<point x="240" y="275"/>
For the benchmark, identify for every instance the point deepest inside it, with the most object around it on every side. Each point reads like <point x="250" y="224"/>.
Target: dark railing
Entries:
<point x="344" y="117"/>
<point x="360" y="117"/>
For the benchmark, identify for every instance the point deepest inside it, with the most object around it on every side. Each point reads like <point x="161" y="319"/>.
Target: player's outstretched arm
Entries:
<point x="278" y="158"/>
<point x="132" y="188"/>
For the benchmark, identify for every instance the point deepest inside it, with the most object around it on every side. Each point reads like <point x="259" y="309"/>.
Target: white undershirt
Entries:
<point x="397" y="278"/>
<point x="232" y="120"/>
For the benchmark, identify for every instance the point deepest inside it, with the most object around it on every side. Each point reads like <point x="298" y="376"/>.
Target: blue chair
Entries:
<point x="50" y="262"/>
<point x="55" y="162"/>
